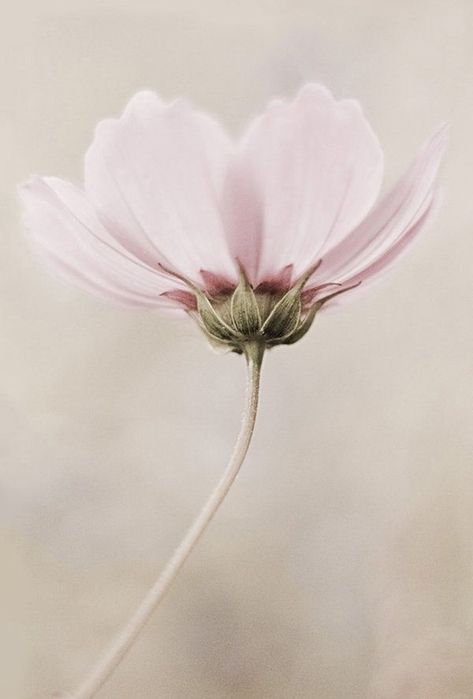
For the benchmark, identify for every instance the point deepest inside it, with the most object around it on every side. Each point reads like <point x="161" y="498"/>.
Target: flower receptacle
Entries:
<point x="248" y="320"/>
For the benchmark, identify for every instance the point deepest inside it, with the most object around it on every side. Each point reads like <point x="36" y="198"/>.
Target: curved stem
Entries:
<point x="125" y="639"/>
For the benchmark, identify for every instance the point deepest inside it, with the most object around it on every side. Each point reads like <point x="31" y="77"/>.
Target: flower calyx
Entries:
<point x="248" y="316"/>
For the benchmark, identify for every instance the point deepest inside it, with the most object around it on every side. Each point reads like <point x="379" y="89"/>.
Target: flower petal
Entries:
<point x="156" y="174"/>
<point x="314" y="168"/>
<point x="358" y="282"/>
<point x="65" y="229"/>
<point x="393" y="217"/>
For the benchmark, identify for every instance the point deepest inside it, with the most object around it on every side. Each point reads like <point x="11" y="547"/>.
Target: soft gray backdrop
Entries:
<point x="341" y="565"/>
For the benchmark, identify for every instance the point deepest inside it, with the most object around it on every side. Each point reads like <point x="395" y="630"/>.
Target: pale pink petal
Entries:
<point x="156" y="177"/>
<point x="307" y="173"/>
<point x="243" y="211"/>
<point x="65" y="229"/>
<point x="395" y="215"/>
<point x="364" y="277"/>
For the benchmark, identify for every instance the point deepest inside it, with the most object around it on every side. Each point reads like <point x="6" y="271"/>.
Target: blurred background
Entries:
<point x="340" y="567"/>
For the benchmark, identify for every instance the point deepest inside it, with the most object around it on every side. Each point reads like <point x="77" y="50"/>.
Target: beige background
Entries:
<point x="341" y="565"/>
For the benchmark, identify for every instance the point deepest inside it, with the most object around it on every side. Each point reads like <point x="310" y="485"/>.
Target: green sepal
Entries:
<point x="212" y="322"/>
<point x="284" y="318"/>
<point x="244" y="308"/>
<point x="320" y="303"/>
<point x="302" y="329"/>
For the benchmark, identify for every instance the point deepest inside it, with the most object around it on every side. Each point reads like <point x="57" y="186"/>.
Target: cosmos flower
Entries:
<point x="250" y="239"/>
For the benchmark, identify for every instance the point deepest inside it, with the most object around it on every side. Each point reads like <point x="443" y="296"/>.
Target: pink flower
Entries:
<point x="251" y="239"/>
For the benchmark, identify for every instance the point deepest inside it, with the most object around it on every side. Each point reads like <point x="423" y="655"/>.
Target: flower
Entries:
<point x="251" y="240"/>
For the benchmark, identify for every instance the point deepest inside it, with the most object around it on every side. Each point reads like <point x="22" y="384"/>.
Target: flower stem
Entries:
<point x="127" y="636"/>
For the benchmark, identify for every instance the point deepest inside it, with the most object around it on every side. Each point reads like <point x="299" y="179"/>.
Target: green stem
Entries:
<point x="127" y="636"/>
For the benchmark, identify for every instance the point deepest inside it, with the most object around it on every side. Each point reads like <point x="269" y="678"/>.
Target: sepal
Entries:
<point x="244" y="308"/>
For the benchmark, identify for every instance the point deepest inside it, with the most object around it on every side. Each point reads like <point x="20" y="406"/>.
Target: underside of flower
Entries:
<point x="243" y="317"/>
